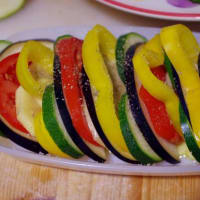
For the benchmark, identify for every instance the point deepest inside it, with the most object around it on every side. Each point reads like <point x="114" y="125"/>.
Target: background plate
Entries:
<point x="155" y="8"/>
<point x="113" y="165"/>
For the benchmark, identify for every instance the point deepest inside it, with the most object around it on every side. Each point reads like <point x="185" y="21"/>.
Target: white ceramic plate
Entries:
<point x="160" y="9"/>
<point x="113" y="165"/>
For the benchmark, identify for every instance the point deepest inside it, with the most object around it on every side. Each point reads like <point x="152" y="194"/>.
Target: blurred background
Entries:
<point x="51" y="13"/>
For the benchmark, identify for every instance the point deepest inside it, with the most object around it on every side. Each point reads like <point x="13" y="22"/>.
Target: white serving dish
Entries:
<point x="113" y="165"/>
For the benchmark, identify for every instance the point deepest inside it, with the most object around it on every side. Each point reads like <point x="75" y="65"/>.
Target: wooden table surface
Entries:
<point x="25" y="181"/>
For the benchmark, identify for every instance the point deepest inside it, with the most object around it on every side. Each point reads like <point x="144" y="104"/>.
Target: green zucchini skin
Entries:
<point x="19" y="5"/>
<point x="189" y="135"/>
<point x="65" y="115"/>
<point x="183" y="111"/>
<point x="86" y="89"/>
<point x="53" y="126"/>
<point x="176" y="84"/>
<point x="162" y="148"/>
<point x="4" y="44"/>
<point x="15" y="47"/>
<point x="136" y="147"/>
<point x="124" y="42"/>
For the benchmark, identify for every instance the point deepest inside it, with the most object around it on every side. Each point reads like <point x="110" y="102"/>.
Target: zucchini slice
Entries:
<point x="135" y="140"/>
<point x="54" y="124"/>
<point x="10" y="7"/>
<point x="68" y="49"/>
<point x="183" y="110"/>
<point x="43" y="137"/>
<point x="176" y="84"/>
<point x="4" y="44"/>
<point x="17" y="46"/>
<point x="99" y="61"/>
<point x="66" y="118"/>
<point x="189" y="135"/>
<point x="124" y="42"/>
<point x="163" y="148"/>
<point x="89" y="98"/>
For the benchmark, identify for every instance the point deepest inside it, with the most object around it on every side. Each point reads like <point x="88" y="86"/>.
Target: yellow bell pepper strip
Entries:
<point x="183" y="50"/>
<point x="142" y="62"/>
<point x="44" y="138"/>
<point x="35" y="76"/>
<point x="154" y="52"/>
<point x="97" y="52"/>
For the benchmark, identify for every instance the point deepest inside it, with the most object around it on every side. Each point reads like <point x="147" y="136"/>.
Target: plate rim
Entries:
<point x="103" y="168"/>
<point x="151" y="13"/>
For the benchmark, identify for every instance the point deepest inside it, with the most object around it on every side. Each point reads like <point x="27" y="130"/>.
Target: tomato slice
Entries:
<point x="157" y="111"/>
<point x="8" y="87"/>
<point x="69" y="51"/>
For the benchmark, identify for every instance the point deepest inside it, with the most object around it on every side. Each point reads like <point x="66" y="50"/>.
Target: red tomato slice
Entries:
<point x="70" y="50"/>
<point x="157" y="111"/>
<point x="8" y="87"/>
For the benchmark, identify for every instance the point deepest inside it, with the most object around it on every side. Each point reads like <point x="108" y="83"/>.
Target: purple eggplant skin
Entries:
<point x="86" y="89"/>
<point x="65" y="116"/>
<point x="20" y="140"/>
<point x="176" y="85"/>
<point x="137" y="111"/>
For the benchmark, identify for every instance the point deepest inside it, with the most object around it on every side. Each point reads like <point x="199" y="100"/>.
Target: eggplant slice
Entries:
<point x="138" y="113"/>
<point x="91" y="108"/>
<point x="65" y="116"/>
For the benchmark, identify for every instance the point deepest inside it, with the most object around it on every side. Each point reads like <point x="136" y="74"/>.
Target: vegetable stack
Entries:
<point x="135" y="98"/>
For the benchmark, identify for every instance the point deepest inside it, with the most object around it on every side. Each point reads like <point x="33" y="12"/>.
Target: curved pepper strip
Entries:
<point x="142" y="62"/>
<point x="98" y="44"/>
<point x="44" y="138"/>
<point x="38" y="55"/>
<point x="183" y="51"/>
<point x="154" y="52"/>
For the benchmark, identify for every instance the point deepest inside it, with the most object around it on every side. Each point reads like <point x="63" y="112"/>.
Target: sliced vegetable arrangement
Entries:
<point x="135" y="98"/>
